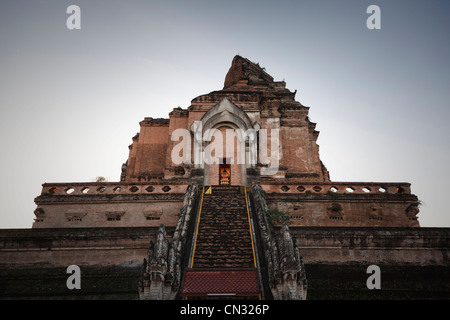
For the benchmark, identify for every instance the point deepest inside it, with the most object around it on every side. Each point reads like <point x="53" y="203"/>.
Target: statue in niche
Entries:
<point x="225" y="176"/>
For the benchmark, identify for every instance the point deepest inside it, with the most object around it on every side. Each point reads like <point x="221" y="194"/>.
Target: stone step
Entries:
<point x="223" y="231"/>
<point x="225" y="265"/>
<point x="225" y="254"/>
<point x="224" y="249"/>
<point x="219" y="208"/>
<point x="212" y="245"/>
<point x="233" y="245"/>
<point x="224" y="189"/>
<point x="214" y="260"/>
<point x="234" y="237"/>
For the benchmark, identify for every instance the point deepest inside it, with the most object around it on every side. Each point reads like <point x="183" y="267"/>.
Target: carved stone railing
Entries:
<point x="112" y="188"/>
<point x="337" y="187"/>
<point x="285" y="267"/>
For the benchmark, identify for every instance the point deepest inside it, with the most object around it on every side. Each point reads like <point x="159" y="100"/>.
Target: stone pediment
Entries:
<point x="225" y="112"/>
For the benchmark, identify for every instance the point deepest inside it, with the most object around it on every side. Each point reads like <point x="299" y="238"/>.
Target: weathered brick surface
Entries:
<point x="109" y="209"/>
<point x="414" y="262"/>
<point x="61" y="247"/>
<point x="223" y="238"/>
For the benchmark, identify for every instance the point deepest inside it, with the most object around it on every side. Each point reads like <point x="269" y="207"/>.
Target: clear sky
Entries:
<point x="71" y="100"/>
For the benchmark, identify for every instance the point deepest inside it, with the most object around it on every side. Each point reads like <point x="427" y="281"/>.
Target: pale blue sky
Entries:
<point x="71" y="100"/>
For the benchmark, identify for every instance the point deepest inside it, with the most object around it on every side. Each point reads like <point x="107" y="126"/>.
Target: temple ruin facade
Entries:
<point x="229" y="198"/>
<point x="298" y="183"/>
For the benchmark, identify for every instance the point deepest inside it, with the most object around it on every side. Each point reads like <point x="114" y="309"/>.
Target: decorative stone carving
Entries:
<point x="286" y="272"/>
<point x="162" y="269"/>
<point x="40" y="214"/>
<point x="114" y="215"/>
<point x="152" y="213"/>
<point x="225" y="112"/>
<point x="294" y="284"/>
<point x="153" y="284"/>
<point x="412" y="210"/>
<point x="75" y="215"/>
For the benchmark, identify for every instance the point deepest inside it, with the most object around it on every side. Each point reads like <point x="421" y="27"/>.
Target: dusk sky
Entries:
<point x="71" y="100"/>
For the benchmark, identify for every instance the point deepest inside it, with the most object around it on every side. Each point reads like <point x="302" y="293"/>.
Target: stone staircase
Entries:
<point x="223" y="239"/>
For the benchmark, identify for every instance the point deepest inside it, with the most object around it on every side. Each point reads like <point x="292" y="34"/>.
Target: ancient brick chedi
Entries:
<point x="227" y="198"/>
<point x="163" y="161"/>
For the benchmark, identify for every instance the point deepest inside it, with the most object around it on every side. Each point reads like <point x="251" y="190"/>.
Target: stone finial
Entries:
<point x="294" y="282"/>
